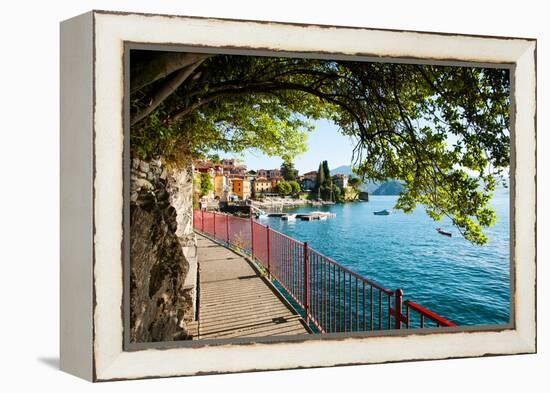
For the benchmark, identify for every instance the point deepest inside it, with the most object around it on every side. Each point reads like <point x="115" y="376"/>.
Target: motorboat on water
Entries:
<point x="384" y="212"/>
<point x="316" y="215"/>
<point x="444" y="233"/>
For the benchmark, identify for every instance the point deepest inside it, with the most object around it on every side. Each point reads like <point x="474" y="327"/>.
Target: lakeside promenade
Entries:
<point x="236" y="301"/>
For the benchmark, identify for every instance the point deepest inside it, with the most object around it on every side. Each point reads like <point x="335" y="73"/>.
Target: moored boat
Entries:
<point x="315" y="215"/>
<point x="444" y="233"/>
<point x="384" y="212"/>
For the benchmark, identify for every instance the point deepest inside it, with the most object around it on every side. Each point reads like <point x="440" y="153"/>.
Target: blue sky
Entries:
<point x="324" y="143"/>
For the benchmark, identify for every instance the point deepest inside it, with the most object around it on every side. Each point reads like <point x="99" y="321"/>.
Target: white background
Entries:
<point x="29" y="197"/>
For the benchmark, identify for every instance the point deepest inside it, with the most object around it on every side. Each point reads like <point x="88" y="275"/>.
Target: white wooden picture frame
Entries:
<point x="92" y="181"/>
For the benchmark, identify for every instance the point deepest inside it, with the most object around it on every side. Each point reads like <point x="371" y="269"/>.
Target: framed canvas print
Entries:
<point x="245" y="195"/>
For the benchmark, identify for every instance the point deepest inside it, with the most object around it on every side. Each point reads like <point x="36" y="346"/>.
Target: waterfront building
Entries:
<point x="340" y="180"/>
<point x="275" y="180"/>
<point x="261" y="186"/>
<point x="221" y="186"/>
<point x="310" y="175"/>
<point x="203" y="166"/>
<point x="269" y="173"/>
<point x="274" y="173"/>
<point x="307" y="183"/>
<point x="241" y="187"/>
<point x="228" y="162"/>
<point x="238" y="170"/>
<point x="251" y="174"/>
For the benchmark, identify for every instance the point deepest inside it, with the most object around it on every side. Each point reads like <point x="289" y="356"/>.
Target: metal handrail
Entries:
<point x="363" y="278"/>
<point x="424" y="312"/>
<point x="320" y="286"/>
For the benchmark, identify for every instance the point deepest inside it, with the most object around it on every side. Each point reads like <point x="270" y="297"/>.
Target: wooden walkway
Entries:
<point x="235" y="301"/>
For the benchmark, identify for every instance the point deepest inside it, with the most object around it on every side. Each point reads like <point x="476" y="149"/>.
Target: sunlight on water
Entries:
<point x="467" y="284"/>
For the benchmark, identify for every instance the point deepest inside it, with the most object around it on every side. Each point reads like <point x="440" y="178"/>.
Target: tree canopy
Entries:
<point x="205" y="184"/>
<point x="284" y="188"/>
<point x="288" y="172"/>
<point x="443" y="131"/>
<point x="354" y="182"/>
<point x="320" y="180"/>
<point x="295" y="186"/>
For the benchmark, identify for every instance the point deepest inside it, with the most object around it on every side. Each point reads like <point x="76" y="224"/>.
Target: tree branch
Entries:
<point x="165" y="90"/>
<point x="153" y="66"/>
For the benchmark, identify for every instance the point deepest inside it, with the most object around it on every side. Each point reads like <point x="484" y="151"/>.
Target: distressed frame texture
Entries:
<point x="93" y="61"/>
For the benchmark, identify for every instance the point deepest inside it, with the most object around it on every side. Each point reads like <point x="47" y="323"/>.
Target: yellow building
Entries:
<point x="261" y="186"/>
<point x="241" y="188"/>
<point x="220" y="186"/>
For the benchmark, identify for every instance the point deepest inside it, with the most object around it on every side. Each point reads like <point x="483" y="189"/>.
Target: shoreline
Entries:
<point x="288" y="203"/>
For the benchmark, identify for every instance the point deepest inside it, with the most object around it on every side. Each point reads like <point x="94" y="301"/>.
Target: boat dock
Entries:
<point x="304" y="216"/>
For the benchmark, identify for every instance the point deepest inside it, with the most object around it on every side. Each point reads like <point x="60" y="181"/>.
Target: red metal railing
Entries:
<point x="331" y="297"/>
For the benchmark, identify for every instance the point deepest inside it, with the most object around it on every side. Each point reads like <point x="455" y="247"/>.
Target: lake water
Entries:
<point x="465" y="283"/>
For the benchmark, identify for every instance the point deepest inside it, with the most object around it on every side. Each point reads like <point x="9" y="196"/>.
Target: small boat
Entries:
<point x="289" y="217"/>
<point x="444" y="233"/>
<point x="384" y="212"/>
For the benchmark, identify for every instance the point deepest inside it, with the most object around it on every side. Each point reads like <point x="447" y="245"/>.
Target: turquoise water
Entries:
<point x="467" y="284"/>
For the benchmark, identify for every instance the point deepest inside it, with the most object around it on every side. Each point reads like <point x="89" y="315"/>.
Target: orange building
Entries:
<point x="241" y="187"/>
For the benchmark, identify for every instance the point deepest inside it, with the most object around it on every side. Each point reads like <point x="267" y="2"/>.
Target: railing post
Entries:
<point x="398" y="307"/>
<point x="227" y="227"/>
<point x="306" y="297"/>
<point x="214" y="216"/>
<point x="202" y="221"/>
<point x="251" y="233"/>
<point x="268" y="253"/>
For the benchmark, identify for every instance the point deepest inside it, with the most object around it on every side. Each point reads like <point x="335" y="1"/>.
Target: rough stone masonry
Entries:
<point x="163" y="262"/>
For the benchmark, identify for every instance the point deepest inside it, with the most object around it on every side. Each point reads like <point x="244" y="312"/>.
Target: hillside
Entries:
<point x="342" y="170"/>
<point x="346" y="170"/>
<point x="369" y="187"/>
<point x="392" y="187"/>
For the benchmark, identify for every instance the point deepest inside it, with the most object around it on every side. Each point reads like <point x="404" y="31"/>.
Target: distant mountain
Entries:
<point x="346" y="170"/>
<point x="369" y="187"/>
<point x="342" y="170"/>
<point x="392" y="187"/>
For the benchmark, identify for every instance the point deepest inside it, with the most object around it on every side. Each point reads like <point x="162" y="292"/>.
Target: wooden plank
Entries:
<point x="234" y="301"/>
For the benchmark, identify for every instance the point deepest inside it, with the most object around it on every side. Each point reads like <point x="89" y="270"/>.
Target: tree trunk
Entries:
<point x="148" y="67"/>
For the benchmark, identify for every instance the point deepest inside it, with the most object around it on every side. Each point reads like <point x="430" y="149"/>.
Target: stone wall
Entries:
<point x="180" y="191"/>
<point x="364" y="196"/>
<point x="163" y="263"/>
